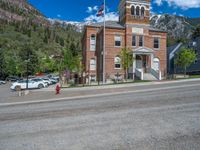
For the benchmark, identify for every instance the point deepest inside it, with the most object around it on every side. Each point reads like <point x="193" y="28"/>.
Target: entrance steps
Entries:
<point x="149" y="76"/>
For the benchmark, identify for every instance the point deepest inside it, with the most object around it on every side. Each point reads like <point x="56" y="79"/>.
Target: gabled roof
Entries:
<point x="116" y="24"/>
<point x="110" y="24"/>
<point x="143" y="50"/>
<point x="172" y="48"/>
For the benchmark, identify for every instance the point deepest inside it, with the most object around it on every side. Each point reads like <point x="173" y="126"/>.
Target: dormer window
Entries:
<point x="137" y="11"/>
<point x="133" y="10"/>
<point x="142" y="11"/>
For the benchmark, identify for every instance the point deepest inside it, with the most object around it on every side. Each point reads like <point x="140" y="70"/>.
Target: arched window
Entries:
<point x="142" y="11"/>
<point x="117" y="62"/>
<point x="133" y="10"/>
<point x="156" y="64"/>
<point x="137" y="10"/>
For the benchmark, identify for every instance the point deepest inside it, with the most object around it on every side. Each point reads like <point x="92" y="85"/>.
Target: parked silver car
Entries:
<point x="2" y="82"/>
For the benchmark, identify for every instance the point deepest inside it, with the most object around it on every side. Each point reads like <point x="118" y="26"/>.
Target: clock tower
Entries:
<point x="134" y="12"/>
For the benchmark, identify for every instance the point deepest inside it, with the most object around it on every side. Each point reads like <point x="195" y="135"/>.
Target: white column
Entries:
<point x="134" y="64"/>
<point x="152" y="57"/>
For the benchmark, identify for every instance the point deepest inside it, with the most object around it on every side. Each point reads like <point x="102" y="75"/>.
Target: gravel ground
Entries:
<point x="165" y="119"/>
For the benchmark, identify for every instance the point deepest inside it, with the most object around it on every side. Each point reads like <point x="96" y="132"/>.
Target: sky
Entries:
<point x="85" y="10"/>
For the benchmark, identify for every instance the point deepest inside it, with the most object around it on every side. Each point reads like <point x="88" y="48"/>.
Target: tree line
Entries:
<point x="44" y="48"/>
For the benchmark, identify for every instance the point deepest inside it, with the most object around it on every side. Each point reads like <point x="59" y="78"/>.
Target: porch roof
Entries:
<point x="143" y="50"/>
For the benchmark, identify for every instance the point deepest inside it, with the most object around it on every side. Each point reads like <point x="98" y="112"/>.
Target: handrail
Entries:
<point x="156" y="74"/>
<point x="139" y="73"/>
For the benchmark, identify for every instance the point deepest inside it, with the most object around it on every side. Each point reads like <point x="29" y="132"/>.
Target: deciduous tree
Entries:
<point x="185" y="57"/>
<point x="126" y="60"/>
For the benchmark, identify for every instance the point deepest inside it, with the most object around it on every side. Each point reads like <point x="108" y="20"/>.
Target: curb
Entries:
<point x="91" y="96"/>
<point x="118" y="85"/>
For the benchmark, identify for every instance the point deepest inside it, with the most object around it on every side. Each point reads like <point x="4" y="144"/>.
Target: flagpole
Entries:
<point x="104" y="46"/>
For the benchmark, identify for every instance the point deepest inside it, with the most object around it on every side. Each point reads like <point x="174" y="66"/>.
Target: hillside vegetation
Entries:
<point x="34" y="42"/>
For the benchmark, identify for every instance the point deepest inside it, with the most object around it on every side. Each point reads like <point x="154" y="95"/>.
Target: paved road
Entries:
<point x="164" y="118"/>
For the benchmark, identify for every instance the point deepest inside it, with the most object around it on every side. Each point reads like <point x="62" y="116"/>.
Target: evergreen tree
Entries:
<point x="196" y="32"/>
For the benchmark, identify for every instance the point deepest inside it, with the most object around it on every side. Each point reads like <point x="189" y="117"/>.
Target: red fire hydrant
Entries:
<point x="57" y="89"/>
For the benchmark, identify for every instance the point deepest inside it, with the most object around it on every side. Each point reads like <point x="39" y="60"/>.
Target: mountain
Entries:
<point x="20" y="10"/>
<point x="78" y="26"/>
<point x="26" y="34"/>
<point x="176" y="26"/>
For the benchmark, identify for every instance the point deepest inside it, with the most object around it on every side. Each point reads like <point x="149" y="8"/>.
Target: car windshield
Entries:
<point x="36" y="80"/>
<point x="24" y="81"/>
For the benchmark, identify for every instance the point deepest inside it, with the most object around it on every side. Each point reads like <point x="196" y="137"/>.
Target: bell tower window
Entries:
<point x="137" y="11"/>
<point x="142" y="11"/>
<point x="133" y="10"/>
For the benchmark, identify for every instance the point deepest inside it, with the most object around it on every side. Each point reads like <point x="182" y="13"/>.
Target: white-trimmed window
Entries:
<point x="118" y="40"/>
<point x="93" y="64"/>
<point x="92" y="78"/>
<point x="134" y="40"/>
<point x="156" y="43"/>
<point x="93" y="42"/>
<point x="117" y="62"/>
<point x="141" y="40"/>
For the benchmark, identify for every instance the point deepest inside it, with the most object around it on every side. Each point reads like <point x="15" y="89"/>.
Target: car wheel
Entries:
<point x="40" y="86"/>
<point x="18" y="88"/>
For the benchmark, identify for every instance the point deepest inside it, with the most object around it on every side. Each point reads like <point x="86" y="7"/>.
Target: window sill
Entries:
<point x="118" y="68"/>
<point x="157" y="49"/>
<point x="118" y="46"/>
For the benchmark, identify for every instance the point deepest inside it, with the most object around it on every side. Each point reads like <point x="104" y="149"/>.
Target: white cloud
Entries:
<point x="58" y="15"/>
<point x="183" y="4"/>
<point x="112" y="16"/>
<point x="91" y="9"/>
<point x="175" y="13"/>
<point x="158" y="2"/>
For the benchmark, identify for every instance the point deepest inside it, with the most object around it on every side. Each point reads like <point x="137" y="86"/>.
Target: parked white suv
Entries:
<point x="31" y="85"/>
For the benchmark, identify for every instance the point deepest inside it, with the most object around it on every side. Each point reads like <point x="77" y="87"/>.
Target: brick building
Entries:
<point x="133" y="31"/>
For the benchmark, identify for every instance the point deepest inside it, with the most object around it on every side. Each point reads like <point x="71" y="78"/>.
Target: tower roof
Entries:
<point x="136" y="0"/>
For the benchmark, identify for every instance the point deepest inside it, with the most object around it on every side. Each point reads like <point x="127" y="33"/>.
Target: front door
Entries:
<point x="145" y="63"/>
<point x="139" y="62"/>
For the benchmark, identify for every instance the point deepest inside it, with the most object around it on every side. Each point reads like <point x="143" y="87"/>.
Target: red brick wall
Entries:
<point x="112" y="51"/>
<point x="88" y="54"/>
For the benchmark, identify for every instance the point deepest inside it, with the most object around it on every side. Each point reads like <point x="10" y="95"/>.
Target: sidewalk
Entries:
<point x="122" y="85"/>
<point x="45" y="95"/>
